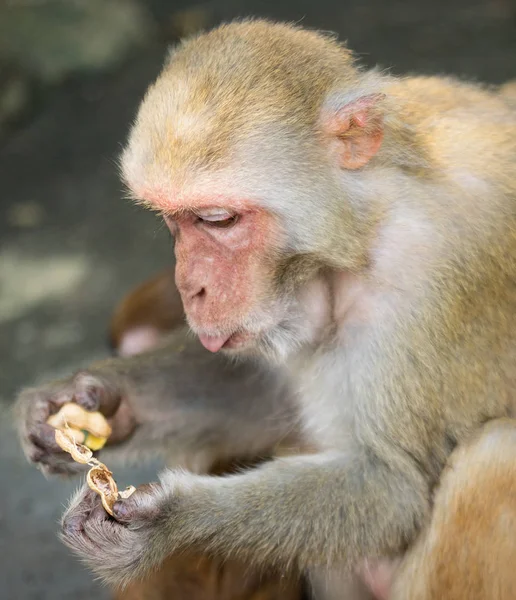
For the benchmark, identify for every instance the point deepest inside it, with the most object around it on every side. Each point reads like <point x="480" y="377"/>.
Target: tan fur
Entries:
<point x="270" y="49"/>
<point x="508" y="92"/>
<point x="468" y="551"/>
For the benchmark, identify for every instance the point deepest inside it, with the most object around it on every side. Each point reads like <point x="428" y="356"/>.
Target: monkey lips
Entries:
<point x="226" y="342"/>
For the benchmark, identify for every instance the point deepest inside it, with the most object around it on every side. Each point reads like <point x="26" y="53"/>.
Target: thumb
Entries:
<point x="142" y="505"/>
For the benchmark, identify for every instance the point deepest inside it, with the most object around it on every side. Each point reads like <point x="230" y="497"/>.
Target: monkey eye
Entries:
<point x="222" y="223"/>
<point x="219" y="219"/>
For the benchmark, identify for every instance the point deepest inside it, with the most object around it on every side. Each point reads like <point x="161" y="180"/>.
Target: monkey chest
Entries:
<point x="327" y="406"/>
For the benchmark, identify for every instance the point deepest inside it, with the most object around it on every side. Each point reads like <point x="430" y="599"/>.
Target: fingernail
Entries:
<point x="120" y="510"/>
<point x="88" y="398"/>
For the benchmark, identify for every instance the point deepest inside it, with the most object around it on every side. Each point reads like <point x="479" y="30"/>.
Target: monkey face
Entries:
<point x="226" y="259"/>
<point x="247" y="172"/>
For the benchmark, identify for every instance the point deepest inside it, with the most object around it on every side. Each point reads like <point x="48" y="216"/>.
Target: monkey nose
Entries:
<point x="190" y="291"/>
<point x="195" y="298"/>
<point x="200" y="294"/>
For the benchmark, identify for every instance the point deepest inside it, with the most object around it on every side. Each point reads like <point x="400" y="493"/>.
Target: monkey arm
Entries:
<point x="302" y="511"/>
<point x="179" y="401"/>
<point x="197" y="408"/>
<point x="307" y="508"/>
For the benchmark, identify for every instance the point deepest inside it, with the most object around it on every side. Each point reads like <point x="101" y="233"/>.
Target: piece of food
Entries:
<point x="99" y="477"/>
<point x="90" y="429"/>
<point x="87" y="439"/>
<point x="100" y="480"/>
<point x="79" y="453"/>
<point x="127" y="492"/>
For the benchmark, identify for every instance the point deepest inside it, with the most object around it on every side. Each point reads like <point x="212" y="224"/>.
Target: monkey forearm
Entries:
<point x="196" y="408"/>
<point x="310" y="510"/>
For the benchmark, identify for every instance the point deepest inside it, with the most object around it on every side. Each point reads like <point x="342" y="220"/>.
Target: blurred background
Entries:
<point x="71" y="75"/>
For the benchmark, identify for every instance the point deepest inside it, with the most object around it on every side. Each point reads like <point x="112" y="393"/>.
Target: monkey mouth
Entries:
<point x="226" y="342"/>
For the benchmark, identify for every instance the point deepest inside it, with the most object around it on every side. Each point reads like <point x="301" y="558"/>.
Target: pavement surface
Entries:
<point x="70" y="245"/>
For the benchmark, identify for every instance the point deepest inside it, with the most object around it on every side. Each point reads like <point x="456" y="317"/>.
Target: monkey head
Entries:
<point x="242" y="145"/>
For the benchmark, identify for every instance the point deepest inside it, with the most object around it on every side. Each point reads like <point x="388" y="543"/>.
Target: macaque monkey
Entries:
<point x="350" y="236"/>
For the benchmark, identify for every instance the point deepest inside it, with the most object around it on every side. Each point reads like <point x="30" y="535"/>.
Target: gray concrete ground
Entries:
<point x="70" y="246"/>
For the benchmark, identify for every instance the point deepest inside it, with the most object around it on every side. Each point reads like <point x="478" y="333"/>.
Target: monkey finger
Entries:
<point x="79" y="510"/>
<point x="43" y="436"/>
<point x="39" y="449"/>
<point x="122" y="425"/>
<point x="60" y="464"/>
<point x="32" y="413"/>
<point x="87" y="526"/>
<point x="142" y="505"/>
<point x="34" y="407"/>
<point x="35" y="454"/>
<point x="56" y="466"/>
<point x="94" y="393"/>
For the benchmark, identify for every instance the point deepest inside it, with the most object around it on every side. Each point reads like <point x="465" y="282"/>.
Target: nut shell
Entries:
<point x="66" y="440"/>
<point x="100" y="480"/>
<point x="99" y="477"/>
<point x="127" y="492"/>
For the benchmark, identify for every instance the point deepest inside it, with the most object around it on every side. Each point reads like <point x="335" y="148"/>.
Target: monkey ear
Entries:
<point x="355" y="131"/>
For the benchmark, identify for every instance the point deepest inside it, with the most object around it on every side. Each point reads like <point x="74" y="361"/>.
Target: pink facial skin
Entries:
<point x="220" y="269"/>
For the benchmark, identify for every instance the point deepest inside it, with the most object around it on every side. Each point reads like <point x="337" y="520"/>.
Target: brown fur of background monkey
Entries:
<point x="198" y="577"/>
<point x="151" y="310"/>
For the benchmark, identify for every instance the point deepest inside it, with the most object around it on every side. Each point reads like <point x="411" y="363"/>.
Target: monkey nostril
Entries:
<point x="193" y="293"/>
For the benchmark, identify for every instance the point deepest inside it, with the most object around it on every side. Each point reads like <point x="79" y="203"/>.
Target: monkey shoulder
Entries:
<point x="459" y="124"/>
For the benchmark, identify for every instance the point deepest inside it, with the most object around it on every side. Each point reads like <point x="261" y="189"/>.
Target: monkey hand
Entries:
<point x="123" y="548"/>
<point x="92" y="391"/>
